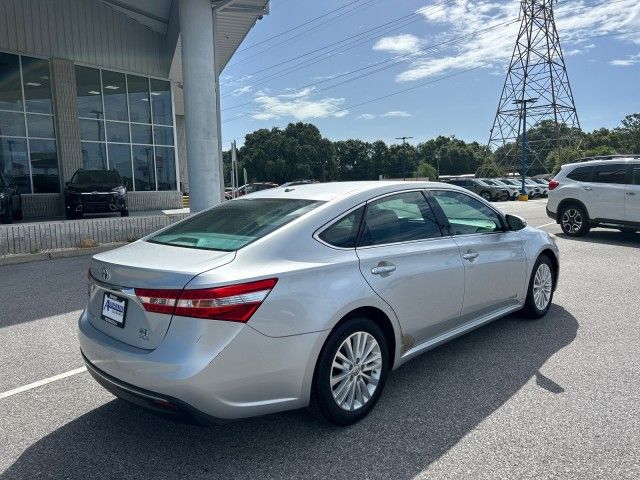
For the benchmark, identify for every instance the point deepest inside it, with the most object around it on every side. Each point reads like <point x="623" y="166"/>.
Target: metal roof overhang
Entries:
<point x="234" y="20"/>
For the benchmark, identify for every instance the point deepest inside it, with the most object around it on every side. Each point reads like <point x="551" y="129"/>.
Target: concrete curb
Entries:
<point x="54" y="254"/>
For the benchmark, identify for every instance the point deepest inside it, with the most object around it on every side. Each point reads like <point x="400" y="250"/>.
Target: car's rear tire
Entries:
<point x="628" y="229"/>
<point x="124" y="213"/>
<point x="486" y="196"/>
<point x="350" y="373"/>
<point x="574" y="221"/>
<point x="541" y="287"/>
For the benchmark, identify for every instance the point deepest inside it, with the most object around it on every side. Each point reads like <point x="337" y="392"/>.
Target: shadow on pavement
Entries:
<point x="428" y="406"/>
<point x="608" y="237"/>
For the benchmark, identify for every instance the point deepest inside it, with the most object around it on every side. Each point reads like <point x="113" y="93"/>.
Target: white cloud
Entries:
<point x="297" y="104"/>
<point x="577" y="21"/>
<point x="241" y="91"/>
<point x="626" y="62"/>
<point x="396" y="113"/>
<point x="366" y="116"/>
<point x="405" y="43"/>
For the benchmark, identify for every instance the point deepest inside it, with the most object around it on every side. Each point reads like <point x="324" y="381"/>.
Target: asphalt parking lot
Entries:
<point x="554" y="398"/>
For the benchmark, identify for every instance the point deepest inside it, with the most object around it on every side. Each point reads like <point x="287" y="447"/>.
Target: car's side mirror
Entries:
<point x="515" y="222"/>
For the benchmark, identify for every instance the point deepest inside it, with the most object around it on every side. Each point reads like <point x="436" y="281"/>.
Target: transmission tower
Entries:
<point x="537" y="71"/>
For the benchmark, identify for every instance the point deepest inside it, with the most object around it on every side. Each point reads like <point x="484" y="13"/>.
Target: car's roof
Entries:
<point x="604" y="161"/>
<point x="331" y="191"/>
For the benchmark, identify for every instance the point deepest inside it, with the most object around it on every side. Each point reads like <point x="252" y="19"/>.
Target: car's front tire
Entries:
<point x="8" y="213"/>
<point x="350" y="373"/>
<point x="541" y="287"/>
<point x="574" y="221"/>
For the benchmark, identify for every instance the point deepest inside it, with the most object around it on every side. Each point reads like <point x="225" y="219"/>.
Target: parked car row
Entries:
<point x="258" y="186"/>
<point x="501" y="189"/>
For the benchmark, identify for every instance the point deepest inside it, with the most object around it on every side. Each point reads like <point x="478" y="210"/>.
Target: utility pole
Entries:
<point x="523" y="161"/>
<point x="404" y="156"/>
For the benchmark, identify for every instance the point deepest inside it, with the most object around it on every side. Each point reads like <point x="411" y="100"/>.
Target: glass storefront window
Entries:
<point x="166" y="168"/>
<point x="144" y="172"/>
<point x="139" y="106"/>
<point x="37" y="85"/>
<point x="161" y="102"/>
<point x="126" y="124"/>
<point x="28" y="153"/>
<point x="88" y="90"/>
<point x="114" y="89"/>
<point x="40" y="126"/>
<point x="94" y="156"/>
<point x="92" y="130"/>
<point x="163" y="135"/>
<point x="120" y="160"/>
<point x="118" y="132"/>
<point x="12" y="124"/>
<point x="44" y="166"/>
<point x="10" y="87"/>
<point x="14" y="162"/>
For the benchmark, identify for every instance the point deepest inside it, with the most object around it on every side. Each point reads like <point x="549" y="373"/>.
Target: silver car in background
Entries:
<point x="305" y="296"/>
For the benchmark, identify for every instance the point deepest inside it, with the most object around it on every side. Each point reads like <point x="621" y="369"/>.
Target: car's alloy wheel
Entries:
<point x="542" y="286"/>
<point x="540" y="292"/>
<point x="355" y="371"/>
<point x="350" y="372"/>
<point x="574" y="222"/>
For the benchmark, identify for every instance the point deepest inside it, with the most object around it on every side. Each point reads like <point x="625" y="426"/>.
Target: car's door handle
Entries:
<point x="470" y="255"/>
<point x="588" y="189"/>
<point x="631" y="193"/>
<point x="383" y="269"/>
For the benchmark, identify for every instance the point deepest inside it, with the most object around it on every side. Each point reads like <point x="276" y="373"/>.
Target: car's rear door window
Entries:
<point x="402" y="217"/>
<point x="466" y="215"/>
<point x="234" y="224"/>
<point x="616" y="173"/>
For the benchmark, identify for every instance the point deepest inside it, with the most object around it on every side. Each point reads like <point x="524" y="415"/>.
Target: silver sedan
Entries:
<point x="305" y="296"/>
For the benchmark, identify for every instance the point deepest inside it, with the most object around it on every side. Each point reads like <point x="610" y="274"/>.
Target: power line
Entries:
<point x="397" y="60"/>
<point x="266" y="40"/>
<point x="384" y="25"/>
<point x="304" y="33"/>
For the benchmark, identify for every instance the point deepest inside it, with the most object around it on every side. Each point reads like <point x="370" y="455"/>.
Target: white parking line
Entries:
<point x="546" y="225"/>
<point x="40" y="383"/>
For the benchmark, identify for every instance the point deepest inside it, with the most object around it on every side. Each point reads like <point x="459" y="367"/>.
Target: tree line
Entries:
<point x="299" y="151"/>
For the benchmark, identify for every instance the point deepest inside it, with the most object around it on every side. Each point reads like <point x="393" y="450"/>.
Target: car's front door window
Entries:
<point x="467" y="215"/>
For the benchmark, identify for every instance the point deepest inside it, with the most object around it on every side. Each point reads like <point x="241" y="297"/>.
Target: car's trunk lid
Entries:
<point x="113" y="306"/>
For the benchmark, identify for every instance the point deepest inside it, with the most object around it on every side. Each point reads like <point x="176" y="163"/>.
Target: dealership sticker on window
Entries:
<point x="114" y="309"/>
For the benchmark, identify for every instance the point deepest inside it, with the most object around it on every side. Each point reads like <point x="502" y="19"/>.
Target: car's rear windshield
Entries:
<point x="93" y="177"/>
<point x="234" y="224"/>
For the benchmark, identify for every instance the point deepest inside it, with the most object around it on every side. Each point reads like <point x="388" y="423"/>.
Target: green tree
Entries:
<point x="489" y="169"/>
<point x="426" y="170"/>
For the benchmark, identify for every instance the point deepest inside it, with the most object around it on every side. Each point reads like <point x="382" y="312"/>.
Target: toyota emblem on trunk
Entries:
<point x="106" y="274"/>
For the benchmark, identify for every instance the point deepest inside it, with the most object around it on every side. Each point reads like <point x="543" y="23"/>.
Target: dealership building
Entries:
<point x="130" y="85"/>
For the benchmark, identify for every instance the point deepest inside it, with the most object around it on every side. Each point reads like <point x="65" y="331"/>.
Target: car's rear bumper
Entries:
<point x="552" y="215"/>
<point x="209" y="369"/>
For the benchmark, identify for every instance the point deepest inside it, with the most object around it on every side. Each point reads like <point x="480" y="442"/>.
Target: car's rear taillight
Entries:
<point x="235" y="303"/>
<point x="553" y="184"/>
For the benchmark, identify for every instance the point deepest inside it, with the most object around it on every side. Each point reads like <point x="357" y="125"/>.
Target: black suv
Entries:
<point x="10" y="201"/>
<point x="95" y="191"/>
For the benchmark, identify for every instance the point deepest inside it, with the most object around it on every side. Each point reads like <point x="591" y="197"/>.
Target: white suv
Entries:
<point x="601" y="192"/>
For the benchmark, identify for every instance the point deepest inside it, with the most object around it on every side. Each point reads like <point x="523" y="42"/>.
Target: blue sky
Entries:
<point x="439" y="44"/>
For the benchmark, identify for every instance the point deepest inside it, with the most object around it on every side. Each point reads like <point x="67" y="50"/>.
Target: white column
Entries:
<point x="201" y="112"/>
